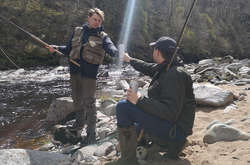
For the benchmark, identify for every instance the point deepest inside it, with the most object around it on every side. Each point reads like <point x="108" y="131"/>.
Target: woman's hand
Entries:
<point x="52" y="48"/>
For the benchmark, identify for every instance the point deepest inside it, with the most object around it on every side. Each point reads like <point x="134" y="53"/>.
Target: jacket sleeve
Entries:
<point x="143" y="67"/>
<point x="109" y="47"/>
<point x="170" y="101"/>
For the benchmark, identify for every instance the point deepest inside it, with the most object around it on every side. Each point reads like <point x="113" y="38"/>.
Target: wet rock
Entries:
<point x="65" y="135"/>
<point x="222" y="132"/>
<point x="32" y="157"/>
<point x="210" y="95"/>
<point x="59" y="109"/>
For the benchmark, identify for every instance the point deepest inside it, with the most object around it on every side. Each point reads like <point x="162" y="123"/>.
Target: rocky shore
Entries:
<point x="221" y="129"/>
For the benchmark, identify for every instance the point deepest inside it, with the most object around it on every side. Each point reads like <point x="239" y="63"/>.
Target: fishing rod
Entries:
<point x="9" y="58"/>
<point x="181" y="34"/>
<point x="36" y="38"/>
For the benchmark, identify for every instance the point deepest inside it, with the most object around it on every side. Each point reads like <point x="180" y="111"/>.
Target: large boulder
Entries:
<point x="210" y="95"/>
<point x="59" y="109"/>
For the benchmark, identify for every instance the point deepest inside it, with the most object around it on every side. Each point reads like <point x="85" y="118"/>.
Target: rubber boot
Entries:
<point x="174" y="148"/>
<point x="128" y="144"/>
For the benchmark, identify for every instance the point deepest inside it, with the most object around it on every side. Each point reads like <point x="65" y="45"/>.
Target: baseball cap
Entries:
<point x="164" y="44"/>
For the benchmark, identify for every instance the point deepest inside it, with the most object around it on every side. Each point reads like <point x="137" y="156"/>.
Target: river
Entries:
<point x="25" y="96"/>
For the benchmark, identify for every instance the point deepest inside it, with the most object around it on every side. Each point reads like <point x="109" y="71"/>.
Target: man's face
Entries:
<point x="95" y="21"/>
<point x="155" y="55"/>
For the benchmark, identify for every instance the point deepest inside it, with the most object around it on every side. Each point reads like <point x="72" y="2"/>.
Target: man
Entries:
<point x="87" y="46"/>
<point x="167" y="113"/>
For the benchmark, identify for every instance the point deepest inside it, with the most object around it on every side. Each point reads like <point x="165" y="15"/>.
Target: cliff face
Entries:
<point x="216" y="28"/>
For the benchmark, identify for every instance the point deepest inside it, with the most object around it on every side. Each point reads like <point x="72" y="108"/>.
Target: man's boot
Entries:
<point x="174" y="148"/>
<point x="128" y="144"/>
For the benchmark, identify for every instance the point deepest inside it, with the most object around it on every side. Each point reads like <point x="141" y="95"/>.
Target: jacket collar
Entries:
<point x="92" y="30"/>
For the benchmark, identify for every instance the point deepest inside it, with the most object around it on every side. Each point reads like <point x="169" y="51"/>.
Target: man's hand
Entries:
<point x="126" y="57"/>
<point x="52" y="48"/>
<point x="132" y="96"/>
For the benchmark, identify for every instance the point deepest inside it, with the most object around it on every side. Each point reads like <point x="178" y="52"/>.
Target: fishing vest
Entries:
<point x="93" y="51"/>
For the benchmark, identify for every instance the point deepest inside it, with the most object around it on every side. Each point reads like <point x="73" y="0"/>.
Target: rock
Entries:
<point x="228" y="59"/>
<point x="104" y="149"/>
<point x="108" y="107"/>
<point x="230" y="108"/>
<point x="122" y="84"/>
<point x="210" y="95"/>
<point x="85" y="154"/>
<point x="110" y="110"/>
<point x="46" y="147"/>
<point x="32" y="157"/>
<point x="102" y="119"/>
<point x="107" y="102"/>
<point x="206" y="62"/>
<point x="59" y="109"/>
<point x="103" y="132"/>
<point x="223" y="132"/>
<point x="65" y="135"/>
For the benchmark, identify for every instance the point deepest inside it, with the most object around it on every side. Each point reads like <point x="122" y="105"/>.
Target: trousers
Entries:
<point x="83" y="95"/>
<point x="129" y="114"/>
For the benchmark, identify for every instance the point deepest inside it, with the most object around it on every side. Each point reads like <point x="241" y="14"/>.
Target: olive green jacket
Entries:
<point x="170" y="94"/>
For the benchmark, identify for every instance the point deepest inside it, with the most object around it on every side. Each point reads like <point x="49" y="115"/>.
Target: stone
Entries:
<point x="231" y="107"/>
<point x="104" y="149"/>
<point x="59" y="109"/>
<point x="110" y="110"/>
<point x="32" y="157"/>
<point x="223" y="132"/>
<point x="210" y="95"/>
<point x="85" y="154"/>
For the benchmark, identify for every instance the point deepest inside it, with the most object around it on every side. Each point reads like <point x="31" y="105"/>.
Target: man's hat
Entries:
<point x="164" y="44"/>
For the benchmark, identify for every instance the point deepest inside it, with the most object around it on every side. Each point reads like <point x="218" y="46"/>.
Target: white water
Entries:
<point x="40" y="75"/>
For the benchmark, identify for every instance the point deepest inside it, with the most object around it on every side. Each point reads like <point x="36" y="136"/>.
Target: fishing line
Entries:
<point x="9" y="58"/>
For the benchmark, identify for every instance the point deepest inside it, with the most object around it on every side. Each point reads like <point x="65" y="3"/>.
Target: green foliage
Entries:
<point x="214" y="29"/>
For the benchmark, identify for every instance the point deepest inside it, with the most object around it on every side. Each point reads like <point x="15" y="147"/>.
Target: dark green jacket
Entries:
<point x="170" y="94"/>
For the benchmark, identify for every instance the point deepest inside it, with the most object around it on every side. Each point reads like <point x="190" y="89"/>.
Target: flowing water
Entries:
<point x="25" y="96"/>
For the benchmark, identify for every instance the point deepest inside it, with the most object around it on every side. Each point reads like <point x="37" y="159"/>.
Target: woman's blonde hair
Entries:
<point x="97" y="11"/>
